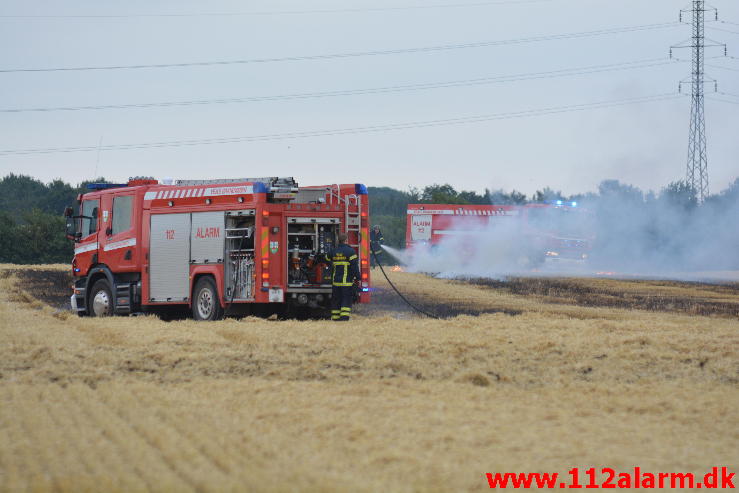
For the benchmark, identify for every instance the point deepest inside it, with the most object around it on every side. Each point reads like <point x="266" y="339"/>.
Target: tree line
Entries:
<point x="32" y="226"/>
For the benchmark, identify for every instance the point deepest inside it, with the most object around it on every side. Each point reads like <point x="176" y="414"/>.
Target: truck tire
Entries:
<point x="101" y="300"/>
<point x="205" y="303"/>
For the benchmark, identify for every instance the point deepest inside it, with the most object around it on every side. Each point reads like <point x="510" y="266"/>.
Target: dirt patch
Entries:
<point x="49" y="286"/>
<point x="693" y="298"/>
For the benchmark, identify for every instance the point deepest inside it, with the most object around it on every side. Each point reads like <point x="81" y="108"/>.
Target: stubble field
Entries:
<point x="527" y="375"/>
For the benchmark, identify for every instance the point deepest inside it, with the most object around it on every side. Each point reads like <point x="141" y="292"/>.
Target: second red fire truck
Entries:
<point x="558" y="231"/>
<point x="213" y="246"/>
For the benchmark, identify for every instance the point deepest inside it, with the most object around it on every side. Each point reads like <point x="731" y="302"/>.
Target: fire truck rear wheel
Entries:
<point x="101" y="300"/>
<point x="205" y="303"/>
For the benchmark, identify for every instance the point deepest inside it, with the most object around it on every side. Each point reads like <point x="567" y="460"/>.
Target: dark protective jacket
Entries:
<point x="376" y="240"/>
<point x="343" y="259"/>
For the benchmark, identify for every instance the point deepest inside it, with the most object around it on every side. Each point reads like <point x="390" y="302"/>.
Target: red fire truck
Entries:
<point x="558" y="230"/>
<point x="214" y="246"/>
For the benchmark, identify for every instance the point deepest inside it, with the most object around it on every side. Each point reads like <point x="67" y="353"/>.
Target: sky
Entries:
<point x="640" y="144"/>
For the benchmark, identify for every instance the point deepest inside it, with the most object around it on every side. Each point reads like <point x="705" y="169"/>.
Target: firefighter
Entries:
<point x="345" y="267"/>
<point x="376" y="241"/>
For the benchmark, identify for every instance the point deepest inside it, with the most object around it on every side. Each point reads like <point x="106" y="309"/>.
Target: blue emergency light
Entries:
<point x="104" y="186"/>
<point x="562" y="202"/>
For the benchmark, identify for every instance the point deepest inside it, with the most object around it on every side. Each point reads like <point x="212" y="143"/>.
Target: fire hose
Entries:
<point x="419" y="310"/>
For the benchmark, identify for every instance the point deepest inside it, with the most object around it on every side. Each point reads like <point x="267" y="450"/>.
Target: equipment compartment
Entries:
<point x="169" y="273"/>
<point x="207" y="235"/>
<point x="309" y="240"/>
<point x="239" y="268"/>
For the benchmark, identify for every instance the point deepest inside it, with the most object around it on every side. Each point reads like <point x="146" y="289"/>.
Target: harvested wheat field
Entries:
<point x="525" y="376"/>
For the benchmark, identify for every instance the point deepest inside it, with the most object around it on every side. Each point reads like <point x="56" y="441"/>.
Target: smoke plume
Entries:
<point x="628" y="233"/>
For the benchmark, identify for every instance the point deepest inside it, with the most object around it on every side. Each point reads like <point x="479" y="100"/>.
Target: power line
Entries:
<point x="278" y="12"/>
<point x="714" y="98"/>
<point x="354" y="130"/>
<point x="424" y="49"/>
<point x="722" y="30"/>
<point x="722" y="68"/>
<point x="728" y="94"/>
<point x="647" y="63"/>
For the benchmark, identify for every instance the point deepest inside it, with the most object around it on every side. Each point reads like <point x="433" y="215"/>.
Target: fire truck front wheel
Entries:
<point x="205" y="303"/>
<point x="101" y="300"/>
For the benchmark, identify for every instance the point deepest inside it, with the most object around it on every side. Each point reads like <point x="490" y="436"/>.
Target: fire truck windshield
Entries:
<point x="560" y="221"/>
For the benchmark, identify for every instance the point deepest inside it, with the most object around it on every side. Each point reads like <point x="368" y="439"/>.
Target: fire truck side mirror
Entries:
<point x="68" y="211"/>
<point x="72" y="233"/>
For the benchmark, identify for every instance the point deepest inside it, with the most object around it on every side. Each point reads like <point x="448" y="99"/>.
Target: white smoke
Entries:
<point x="633" y="234"/>
<point x="668" y="235"/>
<point x="497" y="250"/>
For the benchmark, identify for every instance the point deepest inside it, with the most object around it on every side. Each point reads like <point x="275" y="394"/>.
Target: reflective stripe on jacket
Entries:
<point x="343" y="259"/>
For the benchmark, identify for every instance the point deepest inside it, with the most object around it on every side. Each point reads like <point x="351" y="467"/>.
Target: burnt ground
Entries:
<point x="52" y="287"/>
<point x="386" y="301"/>
<point x="693" y="298"/>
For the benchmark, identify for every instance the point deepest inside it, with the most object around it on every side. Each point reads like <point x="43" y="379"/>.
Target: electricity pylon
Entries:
<point x="697" y="168"/>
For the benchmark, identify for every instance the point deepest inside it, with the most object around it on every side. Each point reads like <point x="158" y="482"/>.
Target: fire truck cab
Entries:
<point x="247" y="245"/>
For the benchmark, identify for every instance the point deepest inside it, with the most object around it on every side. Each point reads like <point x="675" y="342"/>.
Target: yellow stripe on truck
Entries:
<point x="265" y="243"/>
